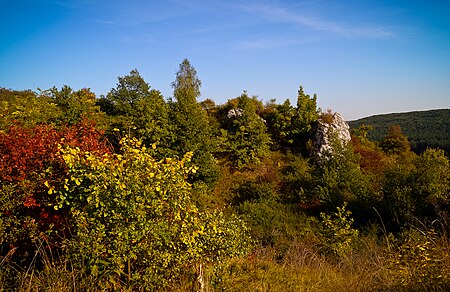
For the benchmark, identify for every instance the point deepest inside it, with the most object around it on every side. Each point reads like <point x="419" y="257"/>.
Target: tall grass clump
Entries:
<point x="421" y="261"/>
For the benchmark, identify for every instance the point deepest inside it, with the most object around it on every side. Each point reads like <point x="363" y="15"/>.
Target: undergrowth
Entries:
<point x="415" y="260"/>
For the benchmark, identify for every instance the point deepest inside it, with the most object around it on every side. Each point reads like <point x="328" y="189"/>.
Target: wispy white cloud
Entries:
<point x="270" y="43"/>
<point x="281" y="14"/>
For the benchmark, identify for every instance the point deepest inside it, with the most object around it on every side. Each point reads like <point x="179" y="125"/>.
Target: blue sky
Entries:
<point x="360" y="57"/>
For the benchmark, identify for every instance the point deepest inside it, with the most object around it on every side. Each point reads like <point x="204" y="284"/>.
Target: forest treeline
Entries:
<point x="133" y="191"/>
<point x="424" y="129"/>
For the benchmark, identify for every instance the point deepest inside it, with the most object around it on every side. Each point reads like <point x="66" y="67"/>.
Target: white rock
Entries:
<point x="324" y="132"/>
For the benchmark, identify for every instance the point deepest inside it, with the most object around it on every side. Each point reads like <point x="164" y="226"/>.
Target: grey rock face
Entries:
<point x="325" y="133"/>
<point x="234" y="113"/>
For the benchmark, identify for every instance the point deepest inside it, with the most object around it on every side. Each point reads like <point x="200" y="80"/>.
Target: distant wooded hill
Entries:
<point x="423" y="128"/>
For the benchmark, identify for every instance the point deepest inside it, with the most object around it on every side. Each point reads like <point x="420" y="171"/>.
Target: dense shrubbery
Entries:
<point x="135" y="220"/>
<point x="198" y="196"/>
<point x="29" y="169"/>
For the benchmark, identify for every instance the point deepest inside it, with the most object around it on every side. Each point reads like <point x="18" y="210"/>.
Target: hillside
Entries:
<point x="133" y="191"/>
<point x="423" y="128"/>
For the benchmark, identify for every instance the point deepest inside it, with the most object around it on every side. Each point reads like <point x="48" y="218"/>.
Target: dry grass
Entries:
<point x="305" y="268"/>
<point x="371" y="265"/>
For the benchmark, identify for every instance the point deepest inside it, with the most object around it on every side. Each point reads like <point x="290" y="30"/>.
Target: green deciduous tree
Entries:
<point x="340" y="179"/>
<point x="397" y="204"/>
<point x="245" y="135"/>
<point x="186" y="87"/>
<point x="281" y="124"/>
<point x="430" y="184"/>
<point x="138" y="110"/>
<point x="75" y="105"/>
<point x="26" y="108"/>
<point x="291" y="126"/>
<point x="432" y="177"/>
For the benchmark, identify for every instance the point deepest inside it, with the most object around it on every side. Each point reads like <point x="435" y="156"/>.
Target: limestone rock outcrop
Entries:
<point x="234" y="113"/>
<point x="327" y="131"/>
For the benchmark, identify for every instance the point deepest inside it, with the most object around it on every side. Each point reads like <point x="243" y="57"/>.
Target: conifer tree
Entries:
<point x="307" y="112"/>
<point x="191" y="130"/>
<point x="395" y="141"/>
<point x="281" y="125"/>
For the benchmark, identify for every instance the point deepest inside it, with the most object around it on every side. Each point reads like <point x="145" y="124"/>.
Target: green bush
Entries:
<point x="254" y="191"/>
<point x="297" y="180"/>
<point x="245" y="139"/>
<point x="340" y="179"/>
<point x="338" y="230"/>
<point x="136" y="223"/>
<point x="277" y="225"/>
<point x="415" y="188"/>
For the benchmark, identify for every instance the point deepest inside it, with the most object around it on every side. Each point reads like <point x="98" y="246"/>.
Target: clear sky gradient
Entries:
<point x="360" y="57"/>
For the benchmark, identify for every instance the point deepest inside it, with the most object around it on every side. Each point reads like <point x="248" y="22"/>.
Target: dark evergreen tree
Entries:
<point x="281" y="125"/>
<point x="307" y="112"/>
<point x="291" y="127"/>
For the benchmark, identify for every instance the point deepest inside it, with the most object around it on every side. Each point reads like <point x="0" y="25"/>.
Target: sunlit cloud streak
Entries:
<point x="280" y="14"/>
